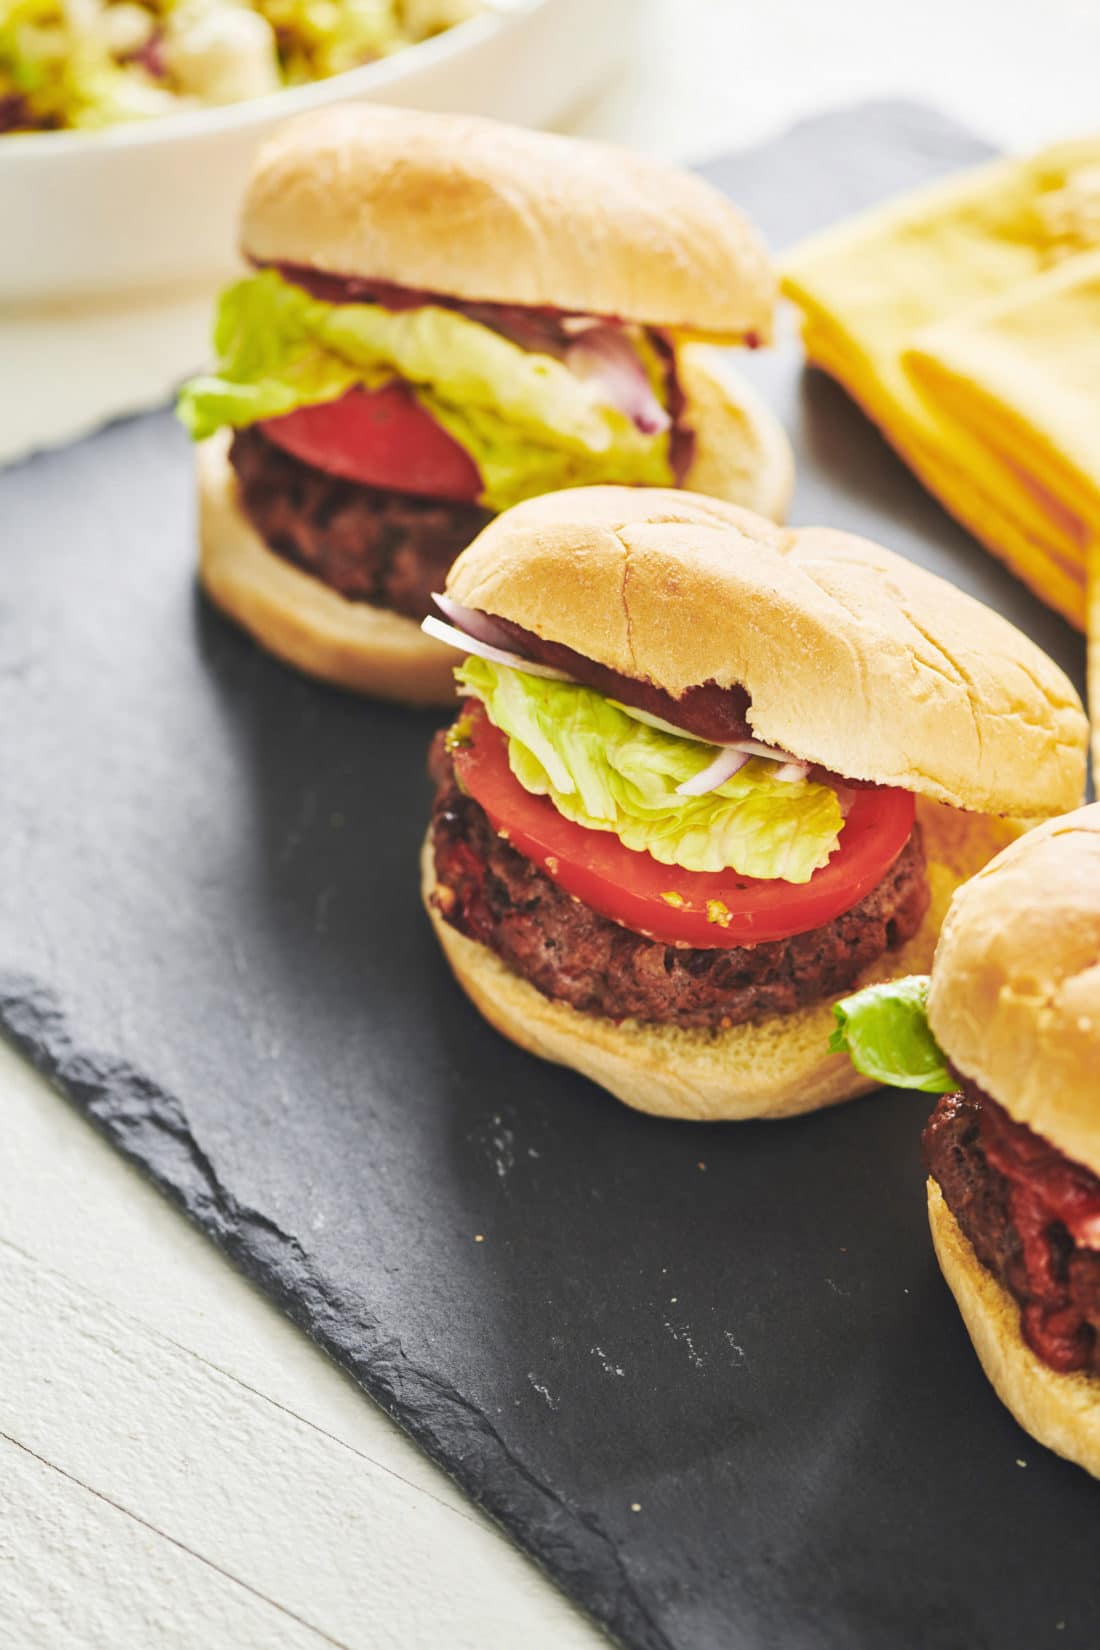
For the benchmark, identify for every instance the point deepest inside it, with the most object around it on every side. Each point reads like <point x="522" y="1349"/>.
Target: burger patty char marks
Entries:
<point x="1054" y="1281"/>
<point x="370" y="545"/>
<point x="493" y="894"/>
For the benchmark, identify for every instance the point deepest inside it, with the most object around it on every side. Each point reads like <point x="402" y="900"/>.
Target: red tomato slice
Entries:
<point x="692" y="908"/>
<point x="382" y="438"/>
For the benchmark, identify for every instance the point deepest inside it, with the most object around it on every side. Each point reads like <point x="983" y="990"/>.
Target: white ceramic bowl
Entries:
<point x="148" y="205"/>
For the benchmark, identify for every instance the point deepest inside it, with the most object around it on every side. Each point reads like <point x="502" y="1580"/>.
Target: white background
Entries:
<point x="178" y="1467"/>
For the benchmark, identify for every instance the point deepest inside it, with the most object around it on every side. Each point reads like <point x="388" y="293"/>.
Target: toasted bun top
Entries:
<point x="479" y="210"/>
<point x="852" y="657"/>
<point x="1015" y="994"/>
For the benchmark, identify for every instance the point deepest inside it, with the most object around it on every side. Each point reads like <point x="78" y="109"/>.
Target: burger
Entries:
<point x="709" y="774"/>
<point x="446" y="316"/>
<point x="1008" y="1031"/>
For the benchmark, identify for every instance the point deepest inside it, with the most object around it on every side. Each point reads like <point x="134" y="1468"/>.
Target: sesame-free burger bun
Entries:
<point x="852" y="657"/>
<point x="298" y="617"/>
<point x="478" y="210"/>
<point x="740" y="453"/>
<point x="775" y="1068"/>
<point x="1015" y="994"/>
<point x="1061" y="1411"/>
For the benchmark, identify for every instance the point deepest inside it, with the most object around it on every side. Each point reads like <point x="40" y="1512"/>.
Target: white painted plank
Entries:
<point x="79" y="1574"/>
<point x="69" y="1199"/>
<point x="287" y="1511"/>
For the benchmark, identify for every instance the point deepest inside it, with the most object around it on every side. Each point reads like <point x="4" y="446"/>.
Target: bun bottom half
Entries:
<point x="1060" y="1411"/>
<point x="741" y="454"/>
<point x="777" y="1067"/>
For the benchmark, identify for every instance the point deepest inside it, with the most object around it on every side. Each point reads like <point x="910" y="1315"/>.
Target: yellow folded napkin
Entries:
<point x="966" y="320"/>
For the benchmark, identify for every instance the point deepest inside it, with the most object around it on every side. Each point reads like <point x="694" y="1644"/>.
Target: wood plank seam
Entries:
<point x="181" y="1546"/>
<point x="207" y="1363"/>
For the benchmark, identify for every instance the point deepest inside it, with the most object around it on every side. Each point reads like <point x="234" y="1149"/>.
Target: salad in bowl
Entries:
<point x="88" y="64"/>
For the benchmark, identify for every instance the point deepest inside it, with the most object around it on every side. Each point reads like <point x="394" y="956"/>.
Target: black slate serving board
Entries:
<point x="709" y="1377"/>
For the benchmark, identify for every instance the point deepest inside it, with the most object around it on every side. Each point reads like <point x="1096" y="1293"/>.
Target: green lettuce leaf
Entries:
<point x="607" y="770"/>
<point x="530" y="425"/>
<point x="884" y="1031"/>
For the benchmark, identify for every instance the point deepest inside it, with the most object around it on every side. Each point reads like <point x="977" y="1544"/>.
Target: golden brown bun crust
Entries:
<point x="777" y="1068"/>
<point x="300" y="619"/>
<point x="852" y="656"/>
<point x="741" y="450"/>
<point x="1061" y="1411"/>
<point x="480" y="210"/>
<point x="1015" y="994"/>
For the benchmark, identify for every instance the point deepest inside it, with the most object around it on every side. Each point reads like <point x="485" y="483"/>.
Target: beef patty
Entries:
<point x="1055" y="1281"/>
<point x="490" y="892"/>
<point x="389" y="549"/>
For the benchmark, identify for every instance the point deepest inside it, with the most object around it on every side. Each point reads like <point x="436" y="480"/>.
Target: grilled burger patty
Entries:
<point x="1055" y="1282"/>
<point x="569" y="952"/>
<point x="387" y="548"/>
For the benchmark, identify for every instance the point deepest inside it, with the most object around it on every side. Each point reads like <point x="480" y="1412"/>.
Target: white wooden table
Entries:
<point x="178" y="1466"/>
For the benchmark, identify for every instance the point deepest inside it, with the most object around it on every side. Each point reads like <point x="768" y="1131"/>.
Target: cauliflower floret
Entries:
<point x="222" y="55"/>
<point x="126" y="28"/>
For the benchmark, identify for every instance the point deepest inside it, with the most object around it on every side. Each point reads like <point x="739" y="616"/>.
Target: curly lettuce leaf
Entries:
<point x="605" y="769"/>
<point x="270" y="360"/>
<point x="530" y="425"/>
<point x="884" y="1031"/>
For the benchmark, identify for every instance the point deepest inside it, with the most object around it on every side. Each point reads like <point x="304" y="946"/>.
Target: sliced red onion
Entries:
<point x="732" y="758"/>
<point x="658" y="722"/>
<point x="769" y="752"/>
<point x="606" y="354"/>
<point x="472" y="622"/>
<point x="748" y="747"/>
<point x="485" y="640"/>
<point x="466" y="643"/>
<point x="725" y="765"/>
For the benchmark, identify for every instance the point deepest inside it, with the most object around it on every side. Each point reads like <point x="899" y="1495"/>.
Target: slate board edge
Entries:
<point x="122" y="1105"/>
